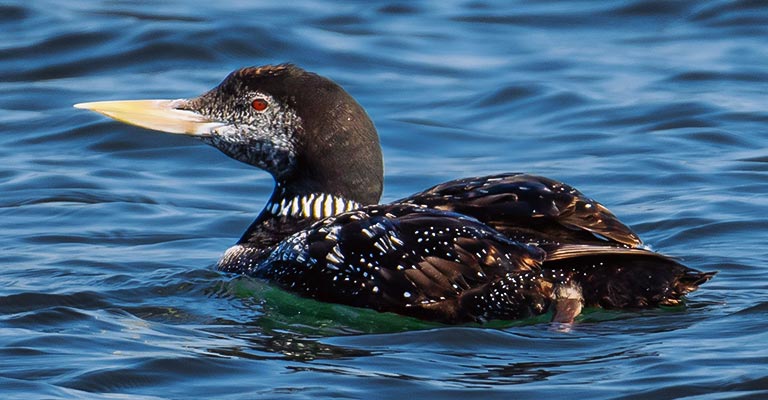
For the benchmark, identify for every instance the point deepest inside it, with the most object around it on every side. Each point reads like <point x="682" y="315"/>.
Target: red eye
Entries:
<point x="260" y="104"/>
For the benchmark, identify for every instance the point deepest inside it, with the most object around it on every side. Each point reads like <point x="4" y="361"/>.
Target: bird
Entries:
<point x="500" y="247"/>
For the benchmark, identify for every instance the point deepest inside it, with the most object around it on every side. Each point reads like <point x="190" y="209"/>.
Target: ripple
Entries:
<point x="712" y="76"/>
<point x="652" y="8"/>
<point x="743" y="15"/>
<point x="510" y="94"/>
<point x="25" y="302"/>
<point x="150" y="17"/>
<point x="11" y="13"/>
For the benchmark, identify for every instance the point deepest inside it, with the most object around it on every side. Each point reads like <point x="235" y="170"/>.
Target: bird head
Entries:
<point x="302" y="128"/>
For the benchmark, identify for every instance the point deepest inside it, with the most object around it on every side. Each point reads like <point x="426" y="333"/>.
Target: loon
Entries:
<point x="505" y="246"/>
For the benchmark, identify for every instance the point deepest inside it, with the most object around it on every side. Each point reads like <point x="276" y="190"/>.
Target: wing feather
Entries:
<point x="529" y="208"/>
<point x="403" y="258"/>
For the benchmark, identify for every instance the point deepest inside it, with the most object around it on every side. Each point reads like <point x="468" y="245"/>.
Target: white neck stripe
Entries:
<point x="315" y="205"/>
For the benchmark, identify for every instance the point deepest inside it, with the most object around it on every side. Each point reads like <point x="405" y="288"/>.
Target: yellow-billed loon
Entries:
<point x="504" y="246"/>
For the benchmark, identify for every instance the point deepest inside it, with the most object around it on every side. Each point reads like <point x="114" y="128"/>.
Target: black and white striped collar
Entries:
<point x="315" y="205"/>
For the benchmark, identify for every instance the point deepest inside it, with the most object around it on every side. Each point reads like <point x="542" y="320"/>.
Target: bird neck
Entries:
<point x="337" y="166"/>
<point x="288" y="212"/>
<point x="314" y="205"/>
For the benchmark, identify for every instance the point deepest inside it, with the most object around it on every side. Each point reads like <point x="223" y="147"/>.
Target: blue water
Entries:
<point x="109" y="233"/>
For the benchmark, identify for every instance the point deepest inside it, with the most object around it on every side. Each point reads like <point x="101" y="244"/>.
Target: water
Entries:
<point x="109" y="233"/>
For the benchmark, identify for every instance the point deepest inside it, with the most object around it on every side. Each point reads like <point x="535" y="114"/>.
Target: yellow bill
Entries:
<point x="159" y="115"/>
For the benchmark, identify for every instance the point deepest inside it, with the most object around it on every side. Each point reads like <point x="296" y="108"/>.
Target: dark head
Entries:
<point x="304" y="129"/>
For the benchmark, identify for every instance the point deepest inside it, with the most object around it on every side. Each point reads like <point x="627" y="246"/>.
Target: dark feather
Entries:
<point x="617" y="278"/>
<point x="406" y="259"/>
<point x="529" y="208"/>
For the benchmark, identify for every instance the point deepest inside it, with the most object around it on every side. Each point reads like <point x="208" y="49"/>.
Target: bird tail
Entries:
<point x="616" y="278"/>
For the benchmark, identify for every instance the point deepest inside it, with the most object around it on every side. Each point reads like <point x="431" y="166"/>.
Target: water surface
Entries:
<point x="109" y="232"/>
